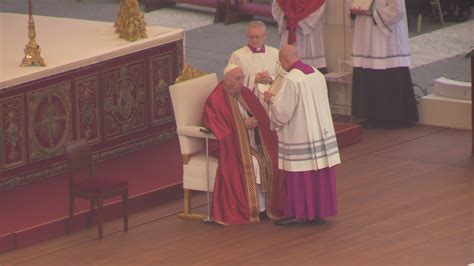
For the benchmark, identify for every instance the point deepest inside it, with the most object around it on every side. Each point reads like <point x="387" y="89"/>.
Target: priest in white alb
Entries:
<point x="301" y="23"/>
<point x="258" y="61"/>
<point x="307" y="147"/>
<point x="382" y="87"/>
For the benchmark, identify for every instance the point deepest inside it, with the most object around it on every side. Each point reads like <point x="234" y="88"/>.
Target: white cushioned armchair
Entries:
<point x="188" y="98"/>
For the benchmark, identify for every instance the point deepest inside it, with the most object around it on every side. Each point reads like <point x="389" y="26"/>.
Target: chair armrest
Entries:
<point x="196" y="132"/>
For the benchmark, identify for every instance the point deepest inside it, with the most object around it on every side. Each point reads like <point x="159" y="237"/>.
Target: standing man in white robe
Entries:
<point x="307" y="145"/>
<point x="258" y="61"/>
<point x="382" y="88"/>
<point x="301" y="23"/>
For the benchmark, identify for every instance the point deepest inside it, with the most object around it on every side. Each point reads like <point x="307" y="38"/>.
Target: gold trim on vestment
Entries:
<point x="270" y="175"/>
<point x="262" y="164"/>
<point x="266" y="169"/>
<point x="245" y="150"/>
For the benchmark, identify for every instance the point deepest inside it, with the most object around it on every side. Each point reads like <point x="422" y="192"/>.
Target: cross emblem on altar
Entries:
<point x="49" y="122"/>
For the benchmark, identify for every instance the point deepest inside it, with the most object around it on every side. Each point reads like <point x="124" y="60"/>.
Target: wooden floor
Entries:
<point x="405" y="197"/>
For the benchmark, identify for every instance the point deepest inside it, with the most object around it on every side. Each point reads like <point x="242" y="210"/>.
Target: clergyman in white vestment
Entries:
<point x="258" y="61"/>
<point x="382" y="88"/>
<point x="307" y="145"/>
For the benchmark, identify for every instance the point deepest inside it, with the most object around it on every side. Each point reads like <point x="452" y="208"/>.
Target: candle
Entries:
<point x="29" y="7"/>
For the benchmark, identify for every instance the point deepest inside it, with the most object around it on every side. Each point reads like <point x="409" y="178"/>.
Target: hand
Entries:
<point x="251" y="123"/>
<point x="357" y="11"/>
<point x="263" y="78"/>
<point x="267" y="96"/>
<point x="268" y="79"/>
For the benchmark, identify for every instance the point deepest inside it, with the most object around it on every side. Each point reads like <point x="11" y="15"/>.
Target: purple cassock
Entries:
<point x="319" y="197"/>
<point x="310" y="194"/>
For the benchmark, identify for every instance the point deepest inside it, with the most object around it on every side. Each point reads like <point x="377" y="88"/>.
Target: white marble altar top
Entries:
<point x="66" y="44"/>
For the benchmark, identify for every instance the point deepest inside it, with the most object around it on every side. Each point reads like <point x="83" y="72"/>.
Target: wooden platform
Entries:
<point x="405" y="197"/>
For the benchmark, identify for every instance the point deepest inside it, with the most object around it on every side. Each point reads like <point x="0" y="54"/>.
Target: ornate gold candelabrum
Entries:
<point x="130" y="22"/>
<point x="32" y="49"/>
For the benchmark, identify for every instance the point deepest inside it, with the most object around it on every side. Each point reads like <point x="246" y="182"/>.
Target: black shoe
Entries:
<point x="463" y="16"/>
<point x="450" y="17"/>
<point x="317" y="221"/>
<point x="263" y="216"/>
<point x="290" y="222"/>
<point x="369" y="125"/>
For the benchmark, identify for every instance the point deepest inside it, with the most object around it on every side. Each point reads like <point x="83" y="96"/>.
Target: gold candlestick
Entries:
<point x="32" y="49"/>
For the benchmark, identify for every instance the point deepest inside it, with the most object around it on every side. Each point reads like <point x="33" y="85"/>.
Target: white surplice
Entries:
<point x="253" y="63"/>
<point x="300" y="112"/>
<point x="309" y="35"/>
<point x="381" y="40"/>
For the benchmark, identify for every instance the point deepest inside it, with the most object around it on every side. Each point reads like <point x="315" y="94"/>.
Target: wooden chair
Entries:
<point x="84" y="184"/>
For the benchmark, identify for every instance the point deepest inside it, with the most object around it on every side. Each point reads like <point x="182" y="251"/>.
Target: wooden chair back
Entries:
<point x="80" y="156"/>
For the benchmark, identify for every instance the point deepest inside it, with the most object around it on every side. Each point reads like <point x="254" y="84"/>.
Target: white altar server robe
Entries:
<point x="381" y="40"/>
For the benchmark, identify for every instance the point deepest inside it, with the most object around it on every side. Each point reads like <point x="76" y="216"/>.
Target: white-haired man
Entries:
<point x="258" y="61"/>
<point x="248" y="181"/>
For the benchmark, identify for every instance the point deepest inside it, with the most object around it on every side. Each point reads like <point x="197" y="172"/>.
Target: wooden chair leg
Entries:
<point x="219" y="16"/>
<point x="91" y="215"/>
<point x="418" y="25"/>
<point x="232" y="15"/>
<point x="125" y="210"/>
<point x="187" y="209"/>
<point x="71" y="213"/>
<point x="187" y="201"/>
<point x="440" y="12"/>
<point x="100" y="218"/>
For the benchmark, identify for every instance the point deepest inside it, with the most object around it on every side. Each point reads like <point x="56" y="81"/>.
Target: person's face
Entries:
<point x="235" y="80"/>
<point x="256" y="37"/>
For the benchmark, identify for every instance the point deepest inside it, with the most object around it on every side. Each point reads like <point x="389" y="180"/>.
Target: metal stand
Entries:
<point x="208" y="219"/>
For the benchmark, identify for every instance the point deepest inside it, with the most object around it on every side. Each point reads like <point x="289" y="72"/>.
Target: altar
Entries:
<point x="95" y="86"/>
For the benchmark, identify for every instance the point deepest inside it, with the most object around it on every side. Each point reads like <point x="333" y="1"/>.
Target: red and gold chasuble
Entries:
<point x="235" y="199"/>
<point x="295" y="11"/>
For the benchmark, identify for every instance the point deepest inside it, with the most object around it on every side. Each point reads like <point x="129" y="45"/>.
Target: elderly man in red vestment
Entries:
<point x="247" y="180"/>
<point x="301" y="23"/>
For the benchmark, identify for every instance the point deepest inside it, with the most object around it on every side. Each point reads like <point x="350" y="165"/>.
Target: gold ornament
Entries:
<point x="189" y="72"/>
<point x="130" y="22"/>
<point x="32" y="49"/>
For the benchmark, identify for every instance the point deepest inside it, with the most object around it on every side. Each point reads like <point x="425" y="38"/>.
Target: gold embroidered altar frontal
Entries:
<point x="95" y="85"/>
